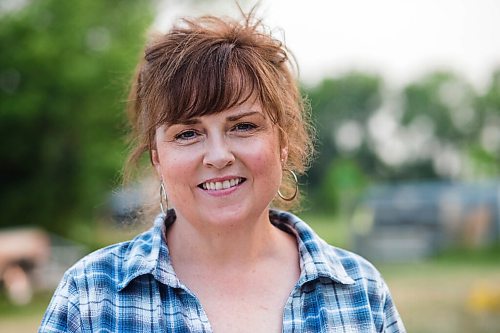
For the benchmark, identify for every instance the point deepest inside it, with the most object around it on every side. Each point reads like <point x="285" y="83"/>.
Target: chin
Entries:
<point x="230" y="216"/>
<point x="225" y="217"/>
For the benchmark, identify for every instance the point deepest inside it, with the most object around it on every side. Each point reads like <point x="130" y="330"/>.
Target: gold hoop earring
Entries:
<point x="163" y="197"/>
<point x="296" y="187"/>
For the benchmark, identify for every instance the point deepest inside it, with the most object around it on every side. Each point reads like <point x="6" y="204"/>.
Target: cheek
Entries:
<point x="178" y="175"/>
<point x="264" y="159"/>
<point x="175" y="168"/>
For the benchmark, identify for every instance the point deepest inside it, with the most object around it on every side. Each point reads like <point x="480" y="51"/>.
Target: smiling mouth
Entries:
<point x="223" y="185"/>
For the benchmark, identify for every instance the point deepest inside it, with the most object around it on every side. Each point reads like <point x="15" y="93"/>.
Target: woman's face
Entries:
<point x="221" y="169"/>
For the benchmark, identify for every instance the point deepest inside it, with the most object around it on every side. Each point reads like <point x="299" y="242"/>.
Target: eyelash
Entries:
<point x="248" y="127"/>
<point x="181" y="137"/>
<point x="241" y="127"/>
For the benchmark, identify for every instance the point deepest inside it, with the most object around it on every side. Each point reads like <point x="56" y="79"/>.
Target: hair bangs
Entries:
<point x="217" y="81"/>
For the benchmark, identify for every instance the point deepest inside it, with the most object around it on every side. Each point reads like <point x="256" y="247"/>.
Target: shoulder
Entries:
<point x="94" y="272"/>
<point x="111" y="264"/>
<point x="91" y="288"/>
<point x="356" y="266"/>
<point x="344" y="262"/>
<point x="320" y="258"/>
<point x="103" y="261"/>
<point x="344" y="279"/>
<point x="360" y="270"/>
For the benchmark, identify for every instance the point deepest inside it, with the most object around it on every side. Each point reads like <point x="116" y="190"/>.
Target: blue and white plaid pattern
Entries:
<point x="132" y="287"/>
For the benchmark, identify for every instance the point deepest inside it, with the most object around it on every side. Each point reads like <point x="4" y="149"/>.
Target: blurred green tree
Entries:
<point x="486" y="151"/>
<point x="436" y="127"/>
<point x="447" y="101"/>
<point x="341" y="108"/>
<point x="64" y="67"/>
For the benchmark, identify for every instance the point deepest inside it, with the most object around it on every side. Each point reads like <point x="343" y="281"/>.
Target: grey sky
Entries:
<point x="396" y="38"/>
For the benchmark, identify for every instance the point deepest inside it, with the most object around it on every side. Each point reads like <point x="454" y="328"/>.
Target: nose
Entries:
<point x="218" y="153"/>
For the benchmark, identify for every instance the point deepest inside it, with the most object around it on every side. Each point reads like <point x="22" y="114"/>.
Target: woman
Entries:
<point x="216" y="107"/>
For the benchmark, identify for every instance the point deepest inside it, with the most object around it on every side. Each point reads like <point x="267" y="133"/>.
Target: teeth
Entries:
<point x="221" y="185"/>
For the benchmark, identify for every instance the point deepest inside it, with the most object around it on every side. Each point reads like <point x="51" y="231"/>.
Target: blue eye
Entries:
<point x="245" y="127"/>
<point x="186" y="135"/>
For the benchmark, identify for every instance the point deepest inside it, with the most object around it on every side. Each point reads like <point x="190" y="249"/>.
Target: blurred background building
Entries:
<point x="413" y="221"/>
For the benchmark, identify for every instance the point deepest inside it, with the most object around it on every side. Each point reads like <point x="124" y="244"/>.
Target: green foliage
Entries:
<point x="446" y="100"/>
<point x="352" y="97"/>
<point x="64" y="67"/>
<point x="487" y="149"/>
<point x="341" y="186"/>
<point x="491" y="99"/>
<point x="441" y="125"/>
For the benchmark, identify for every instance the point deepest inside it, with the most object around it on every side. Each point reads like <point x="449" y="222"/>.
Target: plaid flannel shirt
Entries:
<point x="132" y="287"/>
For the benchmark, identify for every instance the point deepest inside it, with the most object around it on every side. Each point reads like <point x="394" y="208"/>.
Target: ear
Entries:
<point x="155" y="160"/>
<point x="155" y="155"/>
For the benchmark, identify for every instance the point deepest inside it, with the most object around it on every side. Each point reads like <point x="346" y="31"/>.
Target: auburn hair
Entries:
<point x="208" y="64"/>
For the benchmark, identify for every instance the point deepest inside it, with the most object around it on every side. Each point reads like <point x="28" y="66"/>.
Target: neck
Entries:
<point x="233" y="246"/>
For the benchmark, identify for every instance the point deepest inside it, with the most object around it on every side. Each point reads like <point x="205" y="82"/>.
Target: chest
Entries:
<point x="148" y="306"/>
<point x="303" y="311"/>
<point x="258" y="308"/>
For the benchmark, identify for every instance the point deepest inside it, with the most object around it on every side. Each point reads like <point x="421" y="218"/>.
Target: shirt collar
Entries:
<point x="317" y="258"/>
<point x="148" y="253"/>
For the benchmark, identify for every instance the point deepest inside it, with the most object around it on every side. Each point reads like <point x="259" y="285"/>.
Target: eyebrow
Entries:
<point x="242" y="115"/>
<point x="194" y="121"/>
<point x="191" y="121"/>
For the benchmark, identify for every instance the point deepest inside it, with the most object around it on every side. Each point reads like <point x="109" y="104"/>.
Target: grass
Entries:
<point x="485" y="255"/>
<point x="458" y="291"/>
<point x="333" y="229"/>
<point x="436" y="296"/>
<point x="26" y="318"/>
